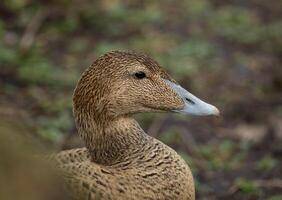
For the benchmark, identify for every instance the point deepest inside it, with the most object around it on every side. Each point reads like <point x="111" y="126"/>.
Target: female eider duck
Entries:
<point x="120" y="161"/>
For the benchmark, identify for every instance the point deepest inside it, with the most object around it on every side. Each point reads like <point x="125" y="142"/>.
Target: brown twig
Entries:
<point x="272" y="183"/>
<point x="31" y="30"/>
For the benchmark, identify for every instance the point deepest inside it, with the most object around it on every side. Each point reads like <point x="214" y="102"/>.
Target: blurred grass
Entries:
<point x="226" y="51"/>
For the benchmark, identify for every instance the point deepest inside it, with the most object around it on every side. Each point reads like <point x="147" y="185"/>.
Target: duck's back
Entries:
<point x="154" y="171"/>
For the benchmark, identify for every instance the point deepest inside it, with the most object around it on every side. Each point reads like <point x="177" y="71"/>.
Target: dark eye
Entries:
<point x="140" y="75"/>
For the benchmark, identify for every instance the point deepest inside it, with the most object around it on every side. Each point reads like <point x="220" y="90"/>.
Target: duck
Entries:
<point x="120" y="161"/>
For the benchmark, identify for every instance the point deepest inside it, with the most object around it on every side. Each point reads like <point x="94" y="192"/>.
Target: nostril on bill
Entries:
<point x="189" y="100"/>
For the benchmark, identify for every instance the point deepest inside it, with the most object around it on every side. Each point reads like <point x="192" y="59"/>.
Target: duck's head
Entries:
<point x="123" y="83"/>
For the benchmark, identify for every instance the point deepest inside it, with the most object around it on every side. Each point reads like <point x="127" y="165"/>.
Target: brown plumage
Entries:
<point x="120" y="160"/>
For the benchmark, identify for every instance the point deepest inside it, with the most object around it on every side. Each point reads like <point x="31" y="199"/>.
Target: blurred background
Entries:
<point x="227" y="52"/>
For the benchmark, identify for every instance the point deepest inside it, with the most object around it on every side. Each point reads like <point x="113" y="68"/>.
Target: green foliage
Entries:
<point x="2" y="28"/>
<point x="53" y="129"/>
<point x="267" y="163"/>
<point x="223" y="156"/>
<point x="171" y="136"/>
<point x="275" y="197"/>
<point x="15" y="4"/>
<point x="236" y="23"/>
<point x="134" y="16"/>
<point x="247" y="186"/>
<point x="8" y="56"/>
<point x="104" y="47"/>
<point x="36" y="70"/>
<point x="66" y="25"/>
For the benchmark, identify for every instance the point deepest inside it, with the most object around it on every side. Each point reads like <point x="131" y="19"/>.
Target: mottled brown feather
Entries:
<point x="120" y="160"/>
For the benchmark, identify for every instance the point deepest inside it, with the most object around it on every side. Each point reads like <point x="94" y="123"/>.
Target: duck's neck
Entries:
<point x="112" y="142"/>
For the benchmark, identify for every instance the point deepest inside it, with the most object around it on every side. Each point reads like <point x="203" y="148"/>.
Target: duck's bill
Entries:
<point x="192" y="104"/>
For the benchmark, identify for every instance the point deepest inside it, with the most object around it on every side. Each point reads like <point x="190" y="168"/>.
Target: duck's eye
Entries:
<point x="140" y="75"/>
